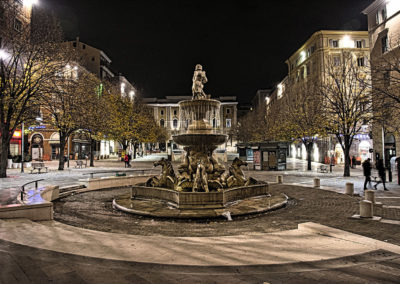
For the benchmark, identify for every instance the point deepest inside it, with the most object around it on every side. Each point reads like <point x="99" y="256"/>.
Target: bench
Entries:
<point x="38" y="166"/>
<point x="322" y="169"/>
<point x="80" y="163"/>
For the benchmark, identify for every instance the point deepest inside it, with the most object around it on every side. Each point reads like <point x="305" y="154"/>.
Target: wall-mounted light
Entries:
<point x="31" y="2"/>
<point x="347" y="42"/>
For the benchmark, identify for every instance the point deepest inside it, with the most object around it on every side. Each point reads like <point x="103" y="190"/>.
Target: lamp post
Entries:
<point x="22" y="147"/>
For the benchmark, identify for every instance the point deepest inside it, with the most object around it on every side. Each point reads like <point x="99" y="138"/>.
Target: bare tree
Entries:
<point x="302" y="117"/>
<point x="28" y="61"/>
<point x="347" y="99"/>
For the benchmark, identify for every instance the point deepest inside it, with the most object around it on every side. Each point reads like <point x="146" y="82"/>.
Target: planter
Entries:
<point x="9" y="163"/>
<point x="27" y="164"/>
<point x="16" y="165"/>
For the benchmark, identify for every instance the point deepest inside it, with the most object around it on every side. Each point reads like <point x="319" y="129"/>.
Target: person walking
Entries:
<point x="126" y="159"/>
<point x="382" y="174"/>
<point x="367" y="172"/>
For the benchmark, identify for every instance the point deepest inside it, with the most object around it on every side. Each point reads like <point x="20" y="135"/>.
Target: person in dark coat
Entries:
<point x="367" y="172"/>
<point x="382" y="174"/>
<point x="353" y="162"/>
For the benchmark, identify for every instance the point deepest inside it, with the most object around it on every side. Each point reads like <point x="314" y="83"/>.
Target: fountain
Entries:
<point x="202" y="182"/>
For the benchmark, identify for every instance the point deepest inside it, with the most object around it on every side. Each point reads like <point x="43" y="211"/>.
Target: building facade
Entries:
<point x="384" y="37"/>
<point x="166" y="114"/>
<point x="307" y="66"/>
<point x="45" y="142"/>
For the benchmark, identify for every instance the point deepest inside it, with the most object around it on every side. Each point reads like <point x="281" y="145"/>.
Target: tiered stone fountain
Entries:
<point x="203" y="188"/>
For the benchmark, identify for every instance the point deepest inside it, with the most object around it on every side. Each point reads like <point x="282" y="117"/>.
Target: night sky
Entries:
<point x="242" y="45"/>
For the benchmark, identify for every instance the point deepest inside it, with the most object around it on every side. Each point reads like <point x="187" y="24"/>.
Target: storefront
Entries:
<point x="265" y="155"/>
<point x="15" y="143"/>
<point x="37" y="146"/>
<point x="80" y="146"/>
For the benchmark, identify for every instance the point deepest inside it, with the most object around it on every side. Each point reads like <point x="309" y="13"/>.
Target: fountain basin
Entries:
<point x="165" y="203"/>
<point x="199" y="139"/>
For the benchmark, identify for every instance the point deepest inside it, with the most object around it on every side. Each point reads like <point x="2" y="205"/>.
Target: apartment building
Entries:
<point x="384" y="38"/>
<point x="307" y="66"/>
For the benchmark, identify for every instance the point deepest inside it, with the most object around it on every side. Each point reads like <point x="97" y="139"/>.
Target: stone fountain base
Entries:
<point x="161" y="202"/>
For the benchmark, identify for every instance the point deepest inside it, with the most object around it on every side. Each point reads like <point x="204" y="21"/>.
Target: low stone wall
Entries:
<point x="36" y="207"/>
<point x="112" y="182"/>
<point x="240" y="193"/>
<point x="155" y="193"/>
<point x="199" y="200"/>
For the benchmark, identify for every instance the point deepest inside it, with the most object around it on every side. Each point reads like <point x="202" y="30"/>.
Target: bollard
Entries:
<point x="349" y="188"/>
<point x="317" y="183"/>
<point x="370" y="196"/>
<point x="366" y="209"/>
<point x="279" y="179"/>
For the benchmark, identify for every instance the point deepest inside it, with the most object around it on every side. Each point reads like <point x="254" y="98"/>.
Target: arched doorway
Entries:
<point x="55" y="145"/>
<point x="37" y="147"/>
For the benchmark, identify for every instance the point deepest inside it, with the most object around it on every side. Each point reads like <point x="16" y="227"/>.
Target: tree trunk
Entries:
<point x="346" y="151"/>
<point x="61" y="160"/>
<point x="134" y="150"/>
<point x="309" y="147"/>
<point x="4" y="147"/>
<point x="92" y="145"/>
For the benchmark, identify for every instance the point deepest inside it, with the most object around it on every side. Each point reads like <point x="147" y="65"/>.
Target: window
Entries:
<point x="228" y="123"/>
<point x="74" y="44"/>
<point x="386" y="79"/>
<point x="385" y="44"/>
<point x="308" y="69"/>
<point x="335" y="43"/>
<point x="93" y="58"/>
<point x="381" y="16"/>
<point x="175" y="112"/>
<point x="360" y="61"/>
<point x="17" y="25"/>
<point x="336" y="60"/>
<point x="84" y="46"/>
<point x="162" y="123"/>
<point x="312" y="49"/>
<point x="228" y="111"/>
<point x="359" y="44"/>
<point x="162" y="112"/>
<point x="175" y="123"/>
<point x="214" y="122"/>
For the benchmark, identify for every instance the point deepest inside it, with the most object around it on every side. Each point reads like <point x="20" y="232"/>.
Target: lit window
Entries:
<point x="359" y="44"/>
<point x="228" y="123"/>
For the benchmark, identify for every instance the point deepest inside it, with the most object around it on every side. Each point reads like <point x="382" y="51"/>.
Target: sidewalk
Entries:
<point x="296" y="174"/>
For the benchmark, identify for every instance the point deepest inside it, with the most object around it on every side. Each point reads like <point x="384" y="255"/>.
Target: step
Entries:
<point x="273" y="248"/>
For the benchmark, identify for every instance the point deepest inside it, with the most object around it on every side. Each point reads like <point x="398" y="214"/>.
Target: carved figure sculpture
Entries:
<point x="235" y="176"/>
<point x="166" y="179"/>
<point x="199" y="79"/>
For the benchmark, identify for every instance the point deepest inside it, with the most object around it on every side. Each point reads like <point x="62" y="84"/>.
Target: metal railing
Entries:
<point x="22" y="187"/>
